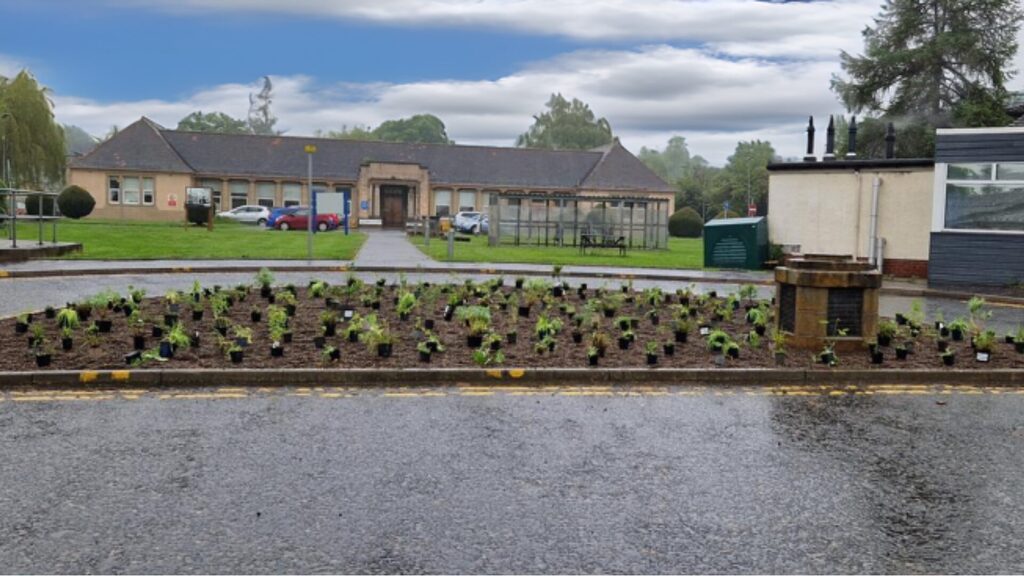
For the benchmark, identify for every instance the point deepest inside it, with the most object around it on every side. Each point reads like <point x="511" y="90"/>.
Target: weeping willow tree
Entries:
<point x="30" y="139"/>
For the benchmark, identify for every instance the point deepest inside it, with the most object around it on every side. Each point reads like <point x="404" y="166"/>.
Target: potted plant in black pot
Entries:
<point x="377" y="336"/>
<point x="66" y="339"/>
<point x="1018" y="341"/>
<point x="886" y="332"/>
<point x="235" y="353"/>
<point x="651" y="352"/>
<point x="779" y="347"/>
<point x="424" y="351"/>
<point x="265" y="280"/>
<point x="984" y="344"/>
<point x="901" y="351"/>
<point x="957" y="329"/>
<point x="592" y="355"/>
<point x="43" y="354"/>
<point x="478" y="322"/>
<point x="948" y="357"/>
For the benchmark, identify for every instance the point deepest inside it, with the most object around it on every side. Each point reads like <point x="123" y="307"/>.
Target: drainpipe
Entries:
<point x="873" y="244"/>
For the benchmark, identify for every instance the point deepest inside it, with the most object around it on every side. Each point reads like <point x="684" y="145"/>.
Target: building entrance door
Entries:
<point x="393" y="206"/>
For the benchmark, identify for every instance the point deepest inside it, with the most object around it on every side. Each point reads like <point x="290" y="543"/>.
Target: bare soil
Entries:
<point x="107" y="351"/>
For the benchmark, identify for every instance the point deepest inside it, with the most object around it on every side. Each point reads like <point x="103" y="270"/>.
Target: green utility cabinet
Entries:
<point x="736" y="243"/>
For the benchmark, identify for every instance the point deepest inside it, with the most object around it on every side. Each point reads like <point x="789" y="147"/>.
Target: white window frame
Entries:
<point x="447" y="204"/>
<point x="467" y="207"/>
<point x="286" y="198"/>
<point x="939" y="196"/>
<point x="114" y="194"/>
<point x="151" y="191"/>
<point x="125" y="191"/>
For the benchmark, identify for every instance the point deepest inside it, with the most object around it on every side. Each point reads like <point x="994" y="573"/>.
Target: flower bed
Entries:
<point x="492" y="324"/>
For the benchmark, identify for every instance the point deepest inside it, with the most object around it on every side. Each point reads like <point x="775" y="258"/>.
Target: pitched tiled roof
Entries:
<point x="144" y="146"/>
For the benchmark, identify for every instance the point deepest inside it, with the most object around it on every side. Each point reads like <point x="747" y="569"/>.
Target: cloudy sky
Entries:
<point x="714" y="71"/>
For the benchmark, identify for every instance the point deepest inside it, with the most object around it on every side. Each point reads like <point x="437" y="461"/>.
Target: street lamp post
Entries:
<point x="310" y="150"/>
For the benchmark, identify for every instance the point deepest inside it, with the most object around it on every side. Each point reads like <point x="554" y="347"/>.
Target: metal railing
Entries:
<point x="9" y="199"/>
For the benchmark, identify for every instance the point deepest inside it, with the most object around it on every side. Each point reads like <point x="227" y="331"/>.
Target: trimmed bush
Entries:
<point x="75" y="202"/>
<point x="33" y="201"/>
<point x="724" y="214"/>
<point x="686" y="223"/>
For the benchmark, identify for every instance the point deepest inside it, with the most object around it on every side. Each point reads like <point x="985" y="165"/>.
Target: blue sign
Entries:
<point x="364" y="205"/>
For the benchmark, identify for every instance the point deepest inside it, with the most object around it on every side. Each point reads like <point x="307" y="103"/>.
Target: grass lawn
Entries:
<point x="681" y="253"/>
<point x="134" y="240"/>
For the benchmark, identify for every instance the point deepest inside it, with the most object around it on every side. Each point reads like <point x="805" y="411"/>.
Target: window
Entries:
<point x="467" y="200"/>
<point x="239" y="193"/>
<point x="265" y="192"/>
<point x="216" y="189"/>
<point x="113" y="190"/>
<point x="985" y="196"/>
<point x="490" y="197"/>
<point x="148" y="191"/>
<point x="442" y="202"/>
<point x="292" y="193"/>
<point x="130" y="190"/>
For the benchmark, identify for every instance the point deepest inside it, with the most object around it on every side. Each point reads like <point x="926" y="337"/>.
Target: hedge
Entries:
<point x="32" y="202"/>
<point x="685" y="223"/>
<point x="75" y="202"/>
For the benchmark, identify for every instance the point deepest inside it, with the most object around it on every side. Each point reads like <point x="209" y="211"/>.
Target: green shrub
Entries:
<point x="726" y="214"/>
<point x="686" y="223"/>
<point x="32" y="203"/>
<point x="75" y="202"/>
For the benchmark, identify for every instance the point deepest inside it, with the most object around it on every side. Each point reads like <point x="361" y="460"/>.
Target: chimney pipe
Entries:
<point x="890" y="141"/>
<point x="810" y="141"/>
<point x="851" y="153"/>
<point x="830" y="140"/>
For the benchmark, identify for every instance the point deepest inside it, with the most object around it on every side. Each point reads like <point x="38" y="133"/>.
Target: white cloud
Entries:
<point x="811" y="26"/>
<point x="647" y="94"/>
<point x="9" y="66"/>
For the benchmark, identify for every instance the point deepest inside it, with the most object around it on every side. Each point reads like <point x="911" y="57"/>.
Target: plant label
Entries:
<point x="981" y="356"/>
<point x="347" y="314"/>
<point x="704" y="330"/>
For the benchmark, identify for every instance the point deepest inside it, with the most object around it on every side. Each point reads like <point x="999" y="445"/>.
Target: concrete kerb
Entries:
<point x="379" y="378"/>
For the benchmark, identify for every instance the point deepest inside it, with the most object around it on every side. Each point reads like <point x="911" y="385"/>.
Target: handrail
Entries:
<point x="9" y="200"/>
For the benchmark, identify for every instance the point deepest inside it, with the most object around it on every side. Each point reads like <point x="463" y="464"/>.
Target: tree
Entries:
<point x="944" y="62"/>
<point x="566" y="125"/>
<point x="213" y="122"/>
<point x="34" y="142"/>
<point x="745" y="177"/>
<point x="673" y="164"/>
<point x="77" y="141"/>
<point x="423" y="128"/>
<point x="686" y="223"/>
<point x="346" y="133"/>
<point x="261" y="119"/>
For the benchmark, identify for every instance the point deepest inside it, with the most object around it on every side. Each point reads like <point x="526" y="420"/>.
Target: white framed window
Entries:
<point x="113" y="190"/>
<point x="148" y="191"/>
<point x="291" y="193"/>
<point x="490" y="198"/>
<point x="984" y="196"/>
<point x="265" y="193"/>
<point x="467" y="200"/>
<point x="442" y="203"/>
<point x="130" y="190"/>
<point x="239" y="193"/>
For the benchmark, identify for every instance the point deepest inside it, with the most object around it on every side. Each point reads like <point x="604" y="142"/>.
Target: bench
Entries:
<point x="592" y="242"/>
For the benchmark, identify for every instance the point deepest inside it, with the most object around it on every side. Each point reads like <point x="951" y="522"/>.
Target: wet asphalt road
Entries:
<point x="485" y="481"/>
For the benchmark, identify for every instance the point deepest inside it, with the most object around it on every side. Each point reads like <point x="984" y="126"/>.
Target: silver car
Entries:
<point x="249" y="214"/>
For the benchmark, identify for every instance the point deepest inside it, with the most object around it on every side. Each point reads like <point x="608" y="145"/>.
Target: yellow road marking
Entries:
<point x="86" y="376"/>
<point x="476" y="393"/>
<point x="516" y="373"/>
<point x="120" y="375"/>
<point x="200" y="396"/>
<point x="4" y="273"/>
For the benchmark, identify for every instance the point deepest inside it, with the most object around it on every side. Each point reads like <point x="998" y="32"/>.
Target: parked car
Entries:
<point x="472" y="222"/>
<point x="278" y="212"/>
<point x="299" y="220"/>
<point x="247" y="214"/>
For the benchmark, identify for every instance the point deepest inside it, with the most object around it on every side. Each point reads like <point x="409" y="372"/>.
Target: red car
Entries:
<point x="299" y="220"/>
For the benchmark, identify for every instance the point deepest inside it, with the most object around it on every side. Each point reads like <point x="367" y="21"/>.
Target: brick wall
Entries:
<point x="905" y="268"/>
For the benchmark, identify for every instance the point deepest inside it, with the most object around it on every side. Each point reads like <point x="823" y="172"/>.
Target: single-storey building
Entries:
<point x="142" y="174"/>
<point x="954" y="219"/>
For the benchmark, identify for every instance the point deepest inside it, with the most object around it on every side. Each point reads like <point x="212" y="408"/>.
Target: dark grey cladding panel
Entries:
<point x="1005" y="147"/>
<point x="978" y="259"/>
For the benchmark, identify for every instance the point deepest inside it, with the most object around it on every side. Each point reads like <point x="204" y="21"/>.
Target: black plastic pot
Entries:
<point x="66" y="344"/>
<point x="20" y="327"/>
<point x="255" y="316"/>
<point x="43" y="360"/>
<point x="1019" y="347"/>
<point x="948" y="359"/>
<point x="827" y="357"/>
<point x="197" y="315"/>
<point x="318" y="342"/>
<point x="236" y="356"/>
<point x="681" y="336"/>
<point x="652" y="359"/>
<point x="131" y="357"/>
<point x="166" y="351"/>
<point x="943" y="345"/>
<point x="760" y="330"/>
<point x="241" y="342"/>
<point x="170" y="319"/>
<point x="901" y="319"/>
<point x="524" y="311"/>
<point x="138" y="342"/>
<point x="780" y="358"/>
<point x="655" y="320"/>
<point x="877" y="357"/>
<point x="432" y="346"/>
<point x="884" y="340"/>
<point x="424" y="356"/>
<point x="157" y="332"/>
<point x="624" y="343"/>
<point x="577" y="337"/>
<point x="474" y="341"/>
<point x="104" y="325"/>
<point x="277" y="351"/>
<point x="384" y="350"/>
<point x="336" y="354"/>
<point x="1009" y="338"/>
<point x="428" y="324"/>
<point x="330" y="329"/>
<point x="375" y="305"/>
<point x="901" y="353"/>
<point x="50" y="313"/>
<point x="511" y="337"/>
<point x="944" y="332"/>
<point x="287" y="337"/>
<point x="592" y="360"/>
<point x="733" y="353"/>
<point x="957" y="334"/>
<point x="669" y="349"/>
<point x="289" y="309"/>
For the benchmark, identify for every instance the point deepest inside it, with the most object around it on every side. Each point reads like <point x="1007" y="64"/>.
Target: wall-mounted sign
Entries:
<point x="364" y="205"/>
<point x="172" y="200"/>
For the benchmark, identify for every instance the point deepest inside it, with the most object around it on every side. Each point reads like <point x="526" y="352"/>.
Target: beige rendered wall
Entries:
<point x="168" y="187"/>
<point x="829" y="212"/>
